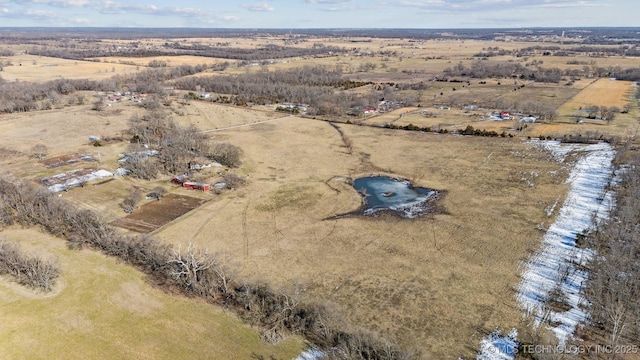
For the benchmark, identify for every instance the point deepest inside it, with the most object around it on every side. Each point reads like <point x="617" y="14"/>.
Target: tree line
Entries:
<point x="319" y="87"/>
<point x="27" y="96"/>
<point x="269" y="51"/>
<point x="482" y="70"/>
<point x="613" y="287"/>
<point x="555" y="50"/>
<point x="197" y="272"/>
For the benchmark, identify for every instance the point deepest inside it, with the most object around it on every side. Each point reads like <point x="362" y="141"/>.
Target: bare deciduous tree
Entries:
<point x="98" y="104"/>
<point x="130" y="203"/>
<point x="232" y="180"/>
<point x="226" y="154"/>
<point x="613" y="288"/>
<point x="32" y="271"/>
<point x="39" y="151"/>
<point x="189" y="264"/>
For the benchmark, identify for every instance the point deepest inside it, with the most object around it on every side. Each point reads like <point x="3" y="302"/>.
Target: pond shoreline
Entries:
<point x="396" y="196"/>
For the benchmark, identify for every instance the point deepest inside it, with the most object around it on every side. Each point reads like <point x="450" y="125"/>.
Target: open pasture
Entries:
<point x="601" y="92"/>
<point x="101" y="308"/>
<point x="432" y="282"/>
<point x="65" y="130"/>
<point x="211" y="117"/>
<point x="171" y="61"/>
<point x="437" y="283"/>
<point x="40" y="68"/>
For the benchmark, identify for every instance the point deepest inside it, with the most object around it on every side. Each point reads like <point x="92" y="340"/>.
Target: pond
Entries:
<point x="400" y="196"/>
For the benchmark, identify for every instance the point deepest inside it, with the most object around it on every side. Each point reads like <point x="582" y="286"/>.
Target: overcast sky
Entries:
<point x="321" y="13"/>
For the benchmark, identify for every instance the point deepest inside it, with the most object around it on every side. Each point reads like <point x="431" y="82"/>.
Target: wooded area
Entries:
<point x="613" y="288"/>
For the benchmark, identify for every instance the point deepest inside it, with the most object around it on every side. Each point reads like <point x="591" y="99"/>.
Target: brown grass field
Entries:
<point x="601" y="92"/>
<point x="437" y="283"/>
<point x="104" y="309"/>
<point x="39" y="68"/>
<point x="432" y="282"/>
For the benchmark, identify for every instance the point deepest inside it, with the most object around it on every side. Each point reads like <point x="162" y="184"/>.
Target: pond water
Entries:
<point x="400" y="196"/>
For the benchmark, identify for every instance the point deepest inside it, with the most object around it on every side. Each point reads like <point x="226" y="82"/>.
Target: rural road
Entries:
<point x="242" y="125"/>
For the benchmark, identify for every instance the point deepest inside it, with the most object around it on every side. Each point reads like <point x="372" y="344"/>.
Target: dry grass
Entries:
<point x="64" y="130"/>
<point x="208" y="116"/>
<point x="434" y="282"/>
<point x="40" y="68"/>
<point x="601" y="92"/>
<point x="172" y="61"/>
<point x="104" y="309"/>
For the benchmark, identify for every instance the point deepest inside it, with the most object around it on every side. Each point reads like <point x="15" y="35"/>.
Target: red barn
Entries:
<point x="196" y="186"/>
<point x="180" y="179"/>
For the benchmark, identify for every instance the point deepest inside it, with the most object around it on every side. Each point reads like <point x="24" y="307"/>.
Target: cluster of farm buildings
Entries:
<point x="78" y="177"/>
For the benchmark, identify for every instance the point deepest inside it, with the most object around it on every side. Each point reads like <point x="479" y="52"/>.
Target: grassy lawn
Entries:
<point x="104" y="309"/>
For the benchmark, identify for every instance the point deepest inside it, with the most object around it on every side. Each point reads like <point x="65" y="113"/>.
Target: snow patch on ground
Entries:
<point x="497" y="346"/>
<point x="556" y="271"/>
<point x="557" y="150"/>
<point x="311" y="354"/>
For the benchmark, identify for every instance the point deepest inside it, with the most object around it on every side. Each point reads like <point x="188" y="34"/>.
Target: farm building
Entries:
<point x="180" y="179"/>
<point x="137" y="155"/>
<point x="196" y="186"/>
<point x="200" y="163"/>
<point x="528" y="119"/>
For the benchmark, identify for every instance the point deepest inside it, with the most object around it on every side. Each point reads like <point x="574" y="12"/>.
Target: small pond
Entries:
<point x="399" y="196"/>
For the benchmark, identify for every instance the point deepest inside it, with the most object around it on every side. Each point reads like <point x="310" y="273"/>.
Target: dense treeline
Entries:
<point x="270" y="51"/>
<point x="482" y="69"/>
<point x="94" y="52"/>
<point x="555" y="50"/>
<point x="318" y="87"/>
<point x="312" y="85"/>
<point x="196" y="272"/>
<point x="151" y="80"/>
<point x="593" y="51"/>
<point x="176" y="49"/>
<point x="319" y="76"/>
<point x="27" y="96"/>
<point x="632" y="74"/>
<point x="613" y="288"/>
<point x="23" y="96"/>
